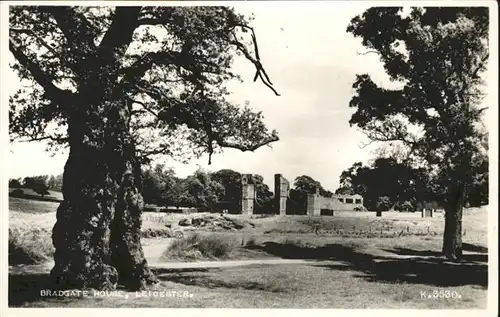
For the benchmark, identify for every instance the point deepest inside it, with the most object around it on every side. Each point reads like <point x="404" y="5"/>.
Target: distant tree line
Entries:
<point x="221" y="190"/>
<point x="389" y="184"/>
<point x="206" y="190"/>
<point x="40" y="184"/>
<point x="385" y="184"/>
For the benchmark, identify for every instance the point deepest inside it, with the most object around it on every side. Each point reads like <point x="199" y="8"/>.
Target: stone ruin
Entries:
<point x="281" y="193"/>
<point x="427" y="213"/>
<point x="248" y="194"/>
<point x="316" y="204"/>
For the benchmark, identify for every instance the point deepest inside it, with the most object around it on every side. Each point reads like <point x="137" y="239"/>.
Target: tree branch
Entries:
<point x="40" y="40"/>
<point x="159" y="150"/>
<point x="76" y="28"/>
<point x="52" y="138"/>
<point x="480" y="65"/>
<point x="144" y="63"/>
<point x="119" y="35"/>
<point x="57" y="94"/>
<point x="143" y="105"/>
<point x="256" y="61"/>
<point x="245" y="148"/>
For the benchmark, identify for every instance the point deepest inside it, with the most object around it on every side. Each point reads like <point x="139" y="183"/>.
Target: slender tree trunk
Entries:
<point x="452" y="239"/>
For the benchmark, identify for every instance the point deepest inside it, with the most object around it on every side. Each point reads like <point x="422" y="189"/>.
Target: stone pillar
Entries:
<point x="427" y="213"/>
<point x="247" y="194"/>
<point x="314" y="204"/>
<point x="281" y="190"/>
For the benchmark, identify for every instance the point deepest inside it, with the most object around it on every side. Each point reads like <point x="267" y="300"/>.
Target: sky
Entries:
<point x="312" y="62"/>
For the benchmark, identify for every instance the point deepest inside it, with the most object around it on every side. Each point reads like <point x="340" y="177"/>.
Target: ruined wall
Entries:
<point x="335" y="203"/>
<point x="247" y="194"/>
<point x="281" y="190"/>
<point x="316" y="203"/>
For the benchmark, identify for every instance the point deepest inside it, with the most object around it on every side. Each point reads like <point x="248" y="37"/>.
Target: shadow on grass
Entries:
<point x="192" y="278"/>
<point x="25" y="288"/>
<point x="428" y="253"/>
<point x="428" y="270"/>
<point x="474" y="248"/>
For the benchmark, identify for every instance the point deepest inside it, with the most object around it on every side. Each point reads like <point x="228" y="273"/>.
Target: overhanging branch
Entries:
<point x="51" y="138"/>
<point x="245" y="148"/>
<point x="260" y="71"/>
<point x="56" y="94"/>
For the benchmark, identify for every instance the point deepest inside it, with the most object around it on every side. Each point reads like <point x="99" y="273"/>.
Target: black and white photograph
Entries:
<point x="249" y="155"/>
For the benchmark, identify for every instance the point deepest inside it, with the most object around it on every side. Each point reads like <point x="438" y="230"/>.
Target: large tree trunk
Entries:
<point x="97" y="233"/>
<point x="81" y="233"/>
<point x="452" y="238"/>
<point x="127" y="255"/>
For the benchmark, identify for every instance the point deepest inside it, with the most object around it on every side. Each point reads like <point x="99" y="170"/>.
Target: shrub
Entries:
<point x="197" y="247"/>
<point x="29" y="246"/>
<point x="383" y="203"/>
<point x="17" y="193"/>
<point x="406" y="206"/>
<point x="251" y="242"/>
<point x="156" y="232"/>
<point x="14" y="183"/>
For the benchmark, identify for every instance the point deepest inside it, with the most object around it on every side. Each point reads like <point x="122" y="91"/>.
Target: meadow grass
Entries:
<point x="31" y="223"/>
<point x="200" y="247"/>
<point x="341" y="271"/>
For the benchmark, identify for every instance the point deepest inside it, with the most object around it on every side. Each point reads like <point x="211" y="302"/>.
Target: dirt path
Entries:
<point x="153" y="253"/>
<point x="213" y="264"/>
<point x="47" y="266"/>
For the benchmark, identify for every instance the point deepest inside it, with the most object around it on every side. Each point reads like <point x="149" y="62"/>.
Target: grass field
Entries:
<point x="350" y="260"/>
<point x="31" y="194"/>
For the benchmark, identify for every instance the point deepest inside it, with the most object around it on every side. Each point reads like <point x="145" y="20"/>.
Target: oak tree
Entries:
<point x="118" y="85"/>
<point x="437" y="55"/>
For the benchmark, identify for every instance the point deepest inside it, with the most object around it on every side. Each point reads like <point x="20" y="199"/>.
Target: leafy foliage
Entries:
<point x="231" y="181"/>
<point x="14" y="183"/>
<point x="170" y="63"/>
<point x="387" y="177"/>
<point x="302" y="186"/>
<point x="205" y="191"/>
<point x="405" y="185"/>
<point x="437" y="55"/>
<point x="202" y="189"/>
<point x="38" y="184"/>
<point x="55" y="182"/>
<point x="384" y="203"/>
<point x="264" y="197"/>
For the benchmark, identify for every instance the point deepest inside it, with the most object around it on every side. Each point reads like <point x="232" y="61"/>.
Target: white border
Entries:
<point x="493" y="158"/>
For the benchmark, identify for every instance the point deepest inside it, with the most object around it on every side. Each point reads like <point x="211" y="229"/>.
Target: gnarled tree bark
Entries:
<point x="81" y="233"/>
<point x="126" y="254"/>
<point x="97" y="233"/>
